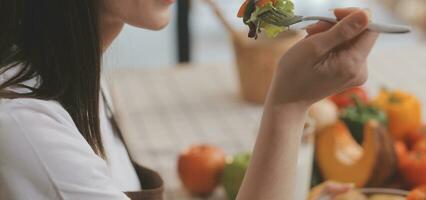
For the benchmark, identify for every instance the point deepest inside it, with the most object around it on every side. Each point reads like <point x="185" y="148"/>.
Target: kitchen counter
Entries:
<point x="164" y="111"/>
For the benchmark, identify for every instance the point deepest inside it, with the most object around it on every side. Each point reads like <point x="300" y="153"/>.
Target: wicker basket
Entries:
<point x="256" y="59"/>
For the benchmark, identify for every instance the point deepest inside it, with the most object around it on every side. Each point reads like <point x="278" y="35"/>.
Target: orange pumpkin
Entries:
<point x="341" y="158"/>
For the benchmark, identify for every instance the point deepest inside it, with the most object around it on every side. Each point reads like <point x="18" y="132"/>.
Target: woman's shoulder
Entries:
<point x="40" y="148"/>
<point x="36" y="126"/>
<point x="34" y="122"/>
<point x="31" y="108"/>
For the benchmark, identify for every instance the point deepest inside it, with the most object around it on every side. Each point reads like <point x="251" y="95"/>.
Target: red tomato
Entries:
<point x="413" y="137"/>
<point x="401" y="153"/>
<point x="200" y="168"/>
<point x="345" y="98"/>
<point x="412" y="164"/>
<point x="420" y="145"/>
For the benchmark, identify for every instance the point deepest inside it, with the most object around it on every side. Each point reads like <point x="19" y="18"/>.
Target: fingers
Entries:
<point x="346" y="30"/>
<point x="318" y="27"/>
<point x="341" y="13"/>
<point x="321" y="26"/>
<point x="365" y="43"/>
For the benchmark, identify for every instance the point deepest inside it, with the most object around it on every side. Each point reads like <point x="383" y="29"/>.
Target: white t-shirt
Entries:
<point x="43" y="156"/>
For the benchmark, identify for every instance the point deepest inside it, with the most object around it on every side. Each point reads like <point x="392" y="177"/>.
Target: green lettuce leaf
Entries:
<point x="272" y="31"/>
<point x="255" y="15"/>
<point x="285" y="6"/>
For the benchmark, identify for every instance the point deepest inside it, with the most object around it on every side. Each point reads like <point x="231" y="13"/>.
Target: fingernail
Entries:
<point x="369" y="12"/>
<point x="359" y="19"/>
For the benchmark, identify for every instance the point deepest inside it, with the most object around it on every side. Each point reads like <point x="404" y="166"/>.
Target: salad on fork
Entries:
<point x="252" y="10"/>
<point x="274" y="16"/>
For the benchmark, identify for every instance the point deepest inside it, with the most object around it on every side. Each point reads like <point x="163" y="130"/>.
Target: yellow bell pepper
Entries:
<point x="403" y="111"/>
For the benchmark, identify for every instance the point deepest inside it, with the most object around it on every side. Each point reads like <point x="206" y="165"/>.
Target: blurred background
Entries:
<point x="210" y="43"/>
<point x="197" y="82"/>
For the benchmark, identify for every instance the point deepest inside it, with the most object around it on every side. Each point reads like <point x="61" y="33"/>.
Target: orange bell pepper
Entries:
<point x="403" y="111"/>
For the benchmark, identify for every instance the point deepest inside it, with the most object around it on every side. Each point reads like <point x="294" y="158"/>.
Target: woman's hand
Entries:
<point x="332" y="58"/>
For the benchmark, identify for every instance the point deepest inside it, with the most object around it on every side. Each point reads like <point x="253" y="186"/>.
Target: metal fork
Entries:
<point x="279" y="18"/>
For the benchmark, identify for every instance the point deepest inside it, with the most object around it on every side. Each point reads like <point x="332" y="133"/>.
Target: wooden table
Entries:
<point x="164" y="111"/>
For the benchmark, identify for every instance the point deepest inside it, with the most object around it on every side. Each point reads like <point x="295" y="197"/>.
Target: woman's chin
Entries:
<point x="158" y="25"/>
<point x="154" y="22"/>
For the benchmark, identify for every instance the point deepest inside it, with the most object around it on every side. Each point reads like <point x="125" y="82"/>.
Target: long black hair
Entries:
<point x="58" y="42"/>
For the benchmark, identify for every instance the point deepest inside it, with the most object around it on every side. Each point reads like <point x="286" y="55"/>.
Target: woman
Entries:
<point x="56" y="140"/>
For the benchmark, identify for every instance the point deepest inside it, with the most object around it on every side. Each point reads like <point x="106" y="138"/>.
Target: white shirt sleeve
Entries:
<point x="43" y="156"/>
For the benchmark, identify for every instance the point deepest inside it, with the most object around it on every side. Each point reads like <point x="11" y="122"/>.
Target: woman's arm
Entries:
<point x="331" y="60"/>
<point x="273" y="167"/>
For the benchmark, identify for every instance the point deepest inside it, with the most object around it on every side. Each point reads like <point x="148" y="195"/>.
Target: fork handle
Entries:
<point x="380" y="28"/>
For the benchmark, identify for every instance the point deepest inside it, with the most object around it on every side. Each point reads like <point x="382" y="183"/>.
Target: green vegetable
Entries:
<point x="272" y="31"/>
<point x="285" y="6"/>
<point x="251" y="7"/>
<point x="233" y="174"/>
<point x="256" y="24"/>
<point x="356" y="116"/>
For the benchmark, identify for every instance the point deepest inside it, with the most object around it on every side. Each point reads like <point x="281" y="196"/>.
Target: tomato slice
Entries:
<point x="243" y="9"/>
<point x="259" y="4"/>
<point x="262" y="3"/>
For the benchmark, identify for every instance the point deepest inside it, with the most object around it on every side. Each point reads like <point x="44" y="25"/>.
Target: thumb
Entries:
<point x="347" y="29"/>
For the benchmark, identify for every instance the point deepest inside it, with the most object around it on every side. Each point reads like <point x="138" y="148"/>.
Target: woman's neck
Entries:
<point x="110" y="28"/>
